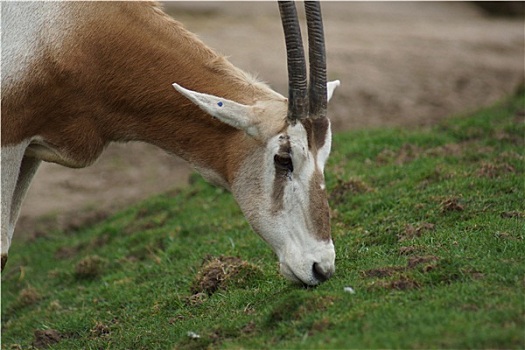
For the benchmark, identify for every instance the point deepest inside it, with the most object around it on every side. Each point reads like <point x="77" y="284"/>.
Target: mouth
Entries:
<point x="306" y="281"/>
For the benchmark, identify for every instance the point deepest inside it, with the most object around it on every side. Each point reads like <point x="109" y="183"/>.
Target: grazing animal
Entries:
<point x="79" y="75"/>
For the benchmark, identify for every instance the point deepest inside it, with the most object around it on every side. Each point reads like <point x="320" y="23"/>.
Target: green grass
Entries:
<point x="429" y="230"/>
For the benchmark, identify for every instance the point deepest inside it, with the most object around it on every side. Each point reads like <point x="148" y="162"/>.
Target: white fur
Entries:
<point x="19" y="47"/>
<point x="17" y="173"/>
<point x="290" y="232"/>
<point x="212" y="176"/>
<point x="331" y="85"/>
<point x="302" y="249"/>
<point x="24" y="25"/>
<point x="324" y="152"/>
<point x="230" y="112"/>
<point x="39" y="148"/>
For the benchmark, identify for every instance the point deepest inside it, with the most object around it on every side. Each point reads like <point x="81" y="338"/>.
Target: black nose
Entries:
<point x="320" y="274"/>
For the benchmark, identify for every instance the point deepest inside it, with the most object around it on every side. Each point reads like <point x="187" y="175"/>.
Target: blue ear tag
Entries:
<point x="220" y="104"/>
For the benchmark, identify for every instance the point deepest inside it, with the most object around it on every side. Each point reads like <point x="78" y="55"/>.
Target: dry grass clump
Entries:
<point x="90" y="267"/>
<point x="45" y="338"/>
<point x="223" y="272"/>
<point x="28" y="296"/>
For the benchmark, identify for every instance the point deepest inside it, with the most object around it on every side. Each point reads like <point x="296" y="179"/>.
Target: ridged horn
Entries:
<point x="297" y="81"/>
<point x="317" y="56"/>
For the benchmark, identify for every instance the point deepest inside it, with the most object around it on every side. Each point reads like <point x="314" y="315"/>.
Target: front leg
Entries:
<point x="17" y="173"/>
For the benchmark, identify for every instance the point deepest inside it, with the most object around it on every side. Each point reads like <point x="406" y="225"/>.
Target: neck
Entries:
<point x="114" y="84"/>
<point x="155" y="113"/>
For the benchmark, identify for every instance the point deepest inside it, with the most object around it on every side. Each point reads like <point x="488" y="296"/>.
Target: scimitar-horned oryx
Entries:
<point x="79" y="75"/>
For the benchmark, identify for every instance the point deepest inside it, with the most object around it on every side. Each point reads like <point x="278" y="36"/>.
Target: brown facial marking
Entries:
<point x="319" y="209"/>
<point x="282" y="173"/>
<point x="278" y="193"/>
<point x="316" y="132"/>
<point x="320" y="212"/>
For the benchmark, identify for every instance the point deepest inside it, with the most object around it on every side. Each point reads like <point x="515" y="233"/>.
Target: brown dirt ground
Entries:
<point x="406" y="64"/>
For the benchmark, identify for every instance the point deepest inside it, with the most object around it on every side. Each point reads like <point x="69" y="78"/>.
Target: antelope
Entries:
<point x="79" y="75"/>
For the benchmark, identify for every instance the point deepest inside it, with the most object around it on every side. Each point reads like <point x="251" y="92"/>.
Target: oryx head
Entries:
<point x="279" y="185"/>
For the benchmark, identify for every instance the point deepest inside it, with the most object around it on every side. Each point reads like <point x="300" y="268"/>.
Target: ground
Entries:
<point x="400" y="64"/>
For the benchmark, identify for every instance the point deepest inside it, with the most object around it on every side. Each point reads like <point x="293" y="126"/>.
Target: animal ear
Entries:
<point x="237" y="115"/>
<point x="330" y="88"/>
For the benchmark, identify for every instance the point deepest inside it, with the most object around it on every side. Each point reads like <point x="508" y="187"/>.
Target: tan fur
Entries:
<point x="319" y="208"/>
<point x="111" y="81"/>
<point x="101" y="72"/>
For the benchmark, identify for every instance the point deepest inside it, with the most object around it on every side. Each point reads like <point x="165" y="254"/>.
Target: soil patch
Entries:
<point x="418" y="260"/>
<point x="513" y="214"/>
<point x="28" y="296"/>
<point x="406" y="154"/>
<point x="90" y="267"/>
<point x="402" y="284"/>
<point x="495" y="170"/>
<point x="401" y="281"/>
<point x="408" y="250"/>
<point x="223" y="272"/>
<point x="382" y="272"/>
<point x="45" y="338"/>
<point x="343" y="189"/>
<point x="412" y="231"/>
<point x="451" y="204"/>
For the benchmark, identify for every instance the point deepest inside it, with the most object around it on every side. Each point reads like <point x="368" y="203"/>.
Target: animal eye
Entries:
<point x="283" y="162"/>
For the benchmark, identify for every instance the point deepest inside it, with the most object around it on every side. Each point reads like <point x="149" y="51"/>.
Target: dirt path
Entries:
<point x="406" y="64"/>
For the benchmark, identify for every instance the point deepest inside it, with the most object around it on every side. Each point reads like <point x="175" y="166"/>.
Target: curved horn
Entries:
<point x="317" y="56"/>
<point x="297" y="88"/>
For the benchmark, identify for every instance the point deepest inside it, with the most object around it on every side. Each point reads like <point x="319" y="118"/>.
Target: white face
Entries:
<point x="285" y="201"/>
<point x="280" y="186"/>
